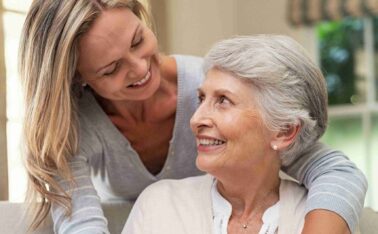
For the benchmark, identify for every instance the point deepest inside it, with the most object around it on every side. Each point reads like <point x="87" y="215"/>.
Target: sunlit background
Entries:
<point x="344" y="46"/>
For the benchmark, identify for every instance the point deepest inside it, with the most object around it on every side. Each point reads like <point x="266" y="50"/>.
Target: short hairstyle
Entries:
<point x="289" y="86"/>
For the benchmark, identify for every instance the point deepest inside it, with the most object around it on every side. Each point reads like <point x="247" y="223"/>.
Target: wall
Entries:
<point x="3" y="123"/>
<point x="192" y="26"/>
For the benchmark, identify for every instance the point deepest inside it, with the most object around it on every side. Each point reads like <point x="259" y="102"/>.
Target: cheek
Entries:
<point x="246" y="132"/>
<point x="151" y="42"/>
<point x="233" y="126"/>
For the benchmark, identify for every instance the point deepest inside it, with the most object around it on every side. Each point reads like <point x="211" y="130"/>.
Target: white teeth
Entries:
<point x="210" y="142"/>
<point x="142" y="81"/>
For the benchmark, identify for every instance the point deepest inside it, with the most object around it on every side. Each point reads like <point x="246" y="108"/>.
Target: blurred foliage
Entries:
<point x="338" y="42"/>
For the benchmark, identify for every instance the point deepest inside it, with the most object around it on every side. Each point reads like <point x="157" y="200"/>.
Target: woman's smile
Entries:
<point x="143" y="82"/>
<point x="209" y="145"/>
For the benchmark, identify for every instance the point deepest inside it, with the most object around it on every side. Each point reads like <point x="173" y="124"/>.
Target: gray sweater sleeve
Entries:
<point x="333" y="181"/>
<point x="87" y="216"/>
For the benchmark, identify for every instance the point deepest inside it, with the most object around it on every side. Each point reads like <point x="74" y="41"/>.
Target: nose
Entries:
<point x="138" y="68"/>
<point x="201" y="119"/>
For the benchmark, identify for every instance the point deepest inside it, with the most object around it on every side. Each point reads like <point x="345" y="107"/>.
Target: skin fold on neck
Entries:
<point x="250" y="193"/>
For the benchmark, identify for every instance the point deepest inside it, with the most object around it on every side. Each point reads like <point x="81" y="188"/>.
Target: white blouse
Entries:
<point x="222" y="212"/>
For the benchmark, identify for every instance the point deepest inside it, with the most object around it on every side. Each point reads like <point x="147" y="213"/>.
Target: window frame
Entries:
<point x="5" y="151"/>
<point x="365" y="110"/>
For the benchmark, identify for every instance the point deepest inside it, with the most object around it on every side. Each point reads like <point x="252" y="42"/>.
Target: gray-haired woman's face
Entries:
<point x="228" y="127"/>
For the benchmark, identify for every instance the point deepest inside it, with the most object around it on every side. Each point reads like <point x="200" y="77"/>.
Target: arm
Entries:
<point x="335" y="186"/>
<point x="323" y="222"/>
<point x="87" y="215"/>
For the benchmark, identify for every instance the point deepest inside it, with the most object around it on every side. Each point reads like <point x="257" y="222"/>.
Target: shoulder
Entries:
<point x="168" y="206"/>
<point x="189" y="184"/>
<point x="289" y="184"/>
<point x="171" y="200"/>
<point x="190" y="74"/>
<point x="293" y="188"/>
<point x="175" y="191"/>
<point x="292" y="205"/>
<point x="89" y="111"/>
<point x="90" y="118"/>
<point x="293" y="196"/>
<point x="188" y="59"/>
<point x="188" y="65"/>
<point x="321" y="151"/>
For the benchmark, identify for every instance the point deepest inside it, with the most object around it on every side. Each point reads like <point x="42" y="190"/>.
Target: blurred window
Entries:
<point x="348" y="53"/>
<point x="13" y="17"/>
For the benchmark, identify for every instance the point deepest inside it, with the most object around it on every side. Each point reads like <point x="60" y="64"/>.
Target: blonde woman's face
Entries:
<point x="118" y="57"/>
<point x="230" y="133"/>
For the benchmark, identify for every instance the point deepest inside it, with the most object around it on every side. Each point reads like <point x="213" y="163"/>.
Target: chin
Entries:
<point x="148" y="93"/>
<point x="205" y="164"/>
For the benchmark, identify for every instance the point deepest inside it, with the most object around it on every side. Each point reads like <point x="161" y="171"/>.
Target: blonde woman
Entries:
<point x="106" y="115"/>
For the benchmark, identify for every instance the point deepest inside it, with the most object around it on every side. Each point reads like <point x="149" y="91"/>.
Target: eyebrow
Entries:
<point x="218" y="91"/>
<point x="137" y="29"/>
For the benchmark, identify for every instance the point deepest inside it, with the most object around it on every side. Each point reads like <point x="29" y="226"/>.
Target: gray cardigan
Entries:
<point x="107" y="168"/>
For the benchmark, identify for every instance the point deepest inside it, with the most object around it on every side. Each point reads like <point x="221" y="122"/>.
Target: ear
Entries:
<point x="281" y="140"/>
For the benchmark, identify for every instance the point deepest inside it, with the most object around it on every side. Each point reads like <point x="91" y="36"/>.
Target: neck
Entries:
<point x="251" y="191"/>
<point x="149" y="110"/>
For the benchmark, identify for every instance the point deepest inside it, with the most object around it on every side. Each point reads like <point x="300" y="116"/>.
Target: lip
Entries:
<point x="149" y="73"/>
<point x="209" y="149"/>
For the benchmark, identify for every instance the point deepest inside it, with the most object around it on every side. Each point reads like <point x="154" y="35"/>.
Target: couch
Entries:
<point x="12" y="219"/>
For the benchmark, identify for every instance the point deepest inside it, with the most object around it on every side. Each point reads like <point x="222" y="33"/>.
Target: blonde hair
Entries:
<point x="48" y="58"/>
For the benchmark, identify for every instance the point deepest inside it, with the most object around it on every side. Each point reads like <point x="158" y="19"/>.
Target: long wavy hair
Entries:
<point x="48" y="59"/>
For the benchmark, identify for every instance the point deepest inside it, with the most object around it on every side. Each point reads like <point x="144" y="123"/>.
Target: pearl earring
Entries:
<point x="84" y="84"/>
<point x="274" y="147"/>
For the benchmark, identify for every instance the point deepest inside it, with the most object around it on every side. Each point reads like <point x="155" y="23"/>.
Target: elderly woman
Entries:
<point x="263" y="103"/>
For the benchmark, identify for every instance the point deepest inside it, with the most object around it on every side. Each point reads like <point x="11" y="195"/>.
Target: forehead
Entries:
<point x="218" y="82"/>
<point x="218" y="79"/>
<point x="110" y="24"/>
<point x="240" y="91"/>
<point x="111" y="33"/>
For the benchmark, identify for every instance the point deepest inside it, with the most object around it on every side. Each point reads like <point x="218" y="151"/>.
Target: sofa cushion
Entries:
<point x="368" y="221"/>
<point x="13" y="218"/>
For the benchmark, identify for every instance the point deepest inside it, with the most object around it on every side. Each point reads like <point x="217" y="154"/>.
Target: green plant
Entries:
<point x="338" y="43"/>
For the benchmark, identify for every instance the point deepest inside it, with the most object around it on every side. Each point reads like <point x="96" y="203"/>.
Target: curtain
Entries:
<point x="309" y="12"/>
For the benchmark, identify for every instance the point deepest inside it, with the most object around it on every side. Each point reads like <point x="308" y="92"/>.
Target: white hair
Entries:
<point x="290" y="87"/>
